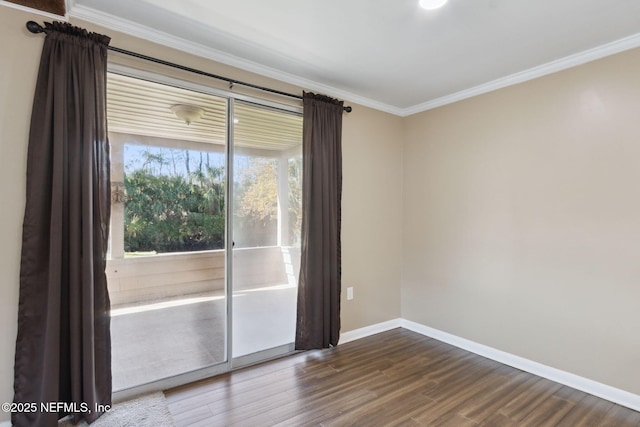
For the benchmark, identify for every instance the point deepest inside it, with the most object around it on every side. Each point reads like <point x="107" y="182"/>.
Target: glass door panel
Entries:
<point x="166" y="270"/>
<point x="267" y="163"/>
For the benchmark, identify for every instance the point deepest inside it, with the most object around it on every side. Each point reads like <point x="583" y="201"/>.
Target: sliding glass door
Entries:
<point x="205" y="205"/>
<point x="166" y="272"/>
<point x="267" y="162"/>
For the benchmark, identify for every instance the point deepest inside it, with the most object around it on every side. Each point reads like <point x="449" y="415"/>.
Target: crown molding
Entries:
<point x="134" y="29"/>
<point x="128" y="27"/>
<point x="570" y="61"/>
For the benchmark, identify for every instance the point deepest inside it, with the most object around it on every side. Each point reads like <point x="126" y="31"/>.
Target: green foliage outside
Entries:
<point x="175" y="202"/>
<point x="173" y="212"/>
<point x="256" y="202"/>
<point x="295" y="200"/>
<point x="255" y="220"/>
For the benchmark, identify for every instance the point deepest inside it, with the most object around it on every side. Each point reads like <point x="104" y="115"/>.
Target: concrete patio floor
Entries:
<point x="164" y="338"/>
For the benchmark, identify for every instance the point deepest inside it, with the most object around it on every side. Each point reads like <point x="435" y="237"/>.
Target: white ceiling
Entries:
<point x="386" y="54"/>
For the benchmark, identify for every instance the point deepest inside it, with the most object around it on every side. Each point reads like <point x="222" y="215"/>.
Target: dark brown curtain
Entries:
<point x="63" y="348"/>
<point x="318" y="319"/>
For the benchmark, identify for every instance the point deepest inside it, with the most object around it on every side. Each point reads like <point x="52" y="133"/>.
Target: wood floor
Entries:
<point x="397" y="378"/>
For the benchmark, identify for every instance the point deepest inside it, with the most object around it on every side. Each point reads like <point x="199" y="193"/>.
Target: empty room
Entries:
<point x="412" y="213"/>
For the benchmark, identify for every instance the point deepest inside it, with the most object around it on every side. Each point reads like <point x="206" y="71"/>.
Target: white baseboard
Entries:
<point x="356" y="334"/>
<point x="595" y="388"/>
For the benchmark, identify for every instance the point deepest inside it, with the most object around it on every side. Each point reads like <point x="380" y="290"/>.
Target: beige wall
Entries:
<point x="371" y="217"/>
<point x="372" y="178"/>
<point x="522" y="220"/>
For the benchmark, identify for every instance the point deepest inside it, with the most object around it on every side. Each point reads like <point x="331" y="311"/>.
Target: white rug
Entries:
<point x="150" y="410"/>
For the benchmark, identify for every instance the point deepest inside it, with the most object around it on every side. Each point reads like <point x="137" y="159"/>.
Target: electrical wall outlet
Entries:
<point x="350" y="293"/>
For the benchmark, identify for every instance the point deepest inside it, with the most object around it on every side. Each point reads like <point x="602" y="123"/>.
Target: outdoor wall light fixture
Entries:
<point x="188" y="113"/>
<point x="432" y="4"/>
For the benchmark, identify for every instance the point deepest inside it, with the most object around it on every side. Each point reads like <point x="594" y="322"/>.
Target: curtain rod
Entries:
<point x="36" y="28"/>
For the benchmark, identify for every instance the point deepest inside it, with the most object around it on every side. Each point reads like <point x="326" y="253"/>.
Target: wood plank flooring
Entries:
<point x="397" y="378"/>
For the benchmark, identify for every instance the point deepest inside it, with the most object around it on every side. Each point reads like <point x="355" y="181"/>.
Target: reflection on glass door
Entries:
<point x="166" y="272"/>
<point x="267" y="187"/>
